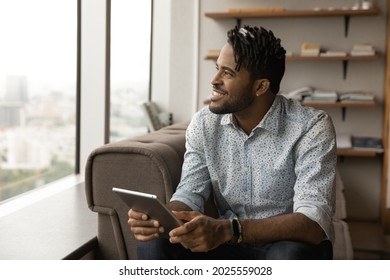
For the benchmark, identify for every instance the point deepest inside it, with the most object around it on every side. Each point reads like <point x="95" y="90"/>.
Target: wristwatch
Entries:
<point x="237" y="231"/>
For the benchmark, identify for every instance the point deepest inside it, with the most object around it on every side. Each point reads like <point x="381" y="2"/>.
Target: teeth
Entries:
<point x="217" y="93"/>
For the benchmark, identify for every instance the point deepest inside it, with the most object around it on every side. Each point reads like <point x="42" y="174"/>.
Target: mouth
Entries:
<point x="217" y="94"/>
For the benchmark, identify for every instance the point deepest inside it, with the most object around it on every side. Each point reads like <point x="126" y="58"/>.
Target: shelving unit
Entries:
<point x="269" y="13"/>
<point x="362" y="160"/>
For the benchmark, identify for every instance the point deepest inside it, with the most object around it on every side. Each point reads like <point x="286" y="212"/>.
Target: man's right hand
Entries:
<point x="142" y="227"/>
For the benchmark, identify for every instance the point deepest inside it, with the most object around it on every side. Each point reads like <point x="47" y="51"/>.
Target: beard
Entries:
<point x="235" y="102"/>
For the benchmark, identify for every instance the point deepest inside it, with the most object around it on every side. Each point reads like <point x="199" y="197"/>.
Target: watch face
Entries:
<point x="236" y="228"/>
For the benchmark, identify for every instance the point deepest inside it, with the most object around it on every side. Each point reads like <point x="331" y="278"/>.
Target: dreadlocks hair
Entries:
<point x="260" y="52"/>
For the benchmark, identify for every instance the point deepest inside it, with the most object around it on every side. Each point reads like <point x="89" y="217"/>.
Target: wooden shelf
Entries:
<point x="319" y="58"/>
<point x="332" y="58"/>
<point x="341" y="104"/>
<point x="291" y="13"/>
<point x="356" y="153"/>
<point x="269" y="13"/>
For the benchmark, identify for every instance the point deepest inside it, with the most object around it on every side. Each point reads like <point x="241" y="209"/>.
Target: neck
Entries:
<point x="249" y="118"/>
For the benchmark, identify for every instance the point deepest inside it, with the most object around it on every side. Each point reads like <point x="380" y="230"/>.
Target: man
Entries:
<point x="268" y="161"/>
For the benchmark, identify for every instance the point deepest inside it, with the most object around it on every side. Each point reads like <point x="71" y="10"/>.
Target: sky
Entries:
<point x="130" y="40"/>
<point x="24" y="25"/>
<point x="38" y="39"/>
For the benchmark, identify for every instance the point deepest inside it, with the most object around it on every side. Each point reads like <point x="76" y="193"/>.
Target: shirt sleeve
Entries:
<point x="195" y="184"/>
<point x="315" y="169"/>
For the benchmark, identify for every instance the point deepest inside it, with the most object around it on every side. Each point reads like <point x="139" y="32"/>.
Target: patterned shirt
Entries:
<point x="286" y="164"/>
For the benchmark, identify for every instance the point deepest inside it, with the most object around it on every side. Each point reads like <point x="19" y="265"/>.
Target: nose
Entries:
<point x="216" y="79"/>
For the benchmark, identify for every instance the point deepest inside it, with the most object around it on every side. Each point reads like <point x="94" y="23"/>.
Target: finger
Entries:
<point x="195" y="223"/>
<point x="184" y="234"/>
<point x="141" y="237"/>
<point x="137" y="215"/>
<point x="146" y="230"/>
<point x="179" y="231"/>
<point x="146" y="233"/>
<point x="140" y="219"/>
<point x="142" y="223"/>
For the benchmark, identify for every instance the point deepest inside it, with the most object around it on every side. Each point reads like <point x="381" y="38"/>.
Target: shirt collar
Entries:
<point x="269" y="122"/>
<point x="271" y="119"/>
<point x="228" y="119"/>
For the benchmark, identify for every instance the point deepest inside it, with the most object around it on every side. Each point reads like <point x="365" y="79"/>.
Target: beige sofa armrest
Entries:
<point x="149" y="163"/>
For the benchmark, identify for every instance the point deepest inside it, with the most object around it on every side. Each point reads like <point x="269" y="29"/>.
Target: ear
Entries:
<point x="262" y="86"/>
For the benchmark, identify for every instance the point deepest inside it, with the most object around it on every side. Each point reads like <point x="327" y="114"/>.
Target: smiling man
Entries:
<point x="268" y="161"/>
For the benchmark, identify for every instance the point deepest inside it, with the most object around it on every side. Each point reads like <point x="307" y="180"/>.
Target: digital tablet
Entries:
<point x="150" y="205"/>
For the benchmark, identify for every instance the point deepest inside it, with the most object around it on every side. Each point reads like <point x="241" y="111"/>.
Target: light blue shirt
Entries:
<point x="287" y="164"/>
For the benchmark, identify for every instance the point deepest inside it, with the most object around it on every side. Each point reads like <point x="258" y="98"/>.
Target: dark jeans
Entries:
<point x="162" y="249"/>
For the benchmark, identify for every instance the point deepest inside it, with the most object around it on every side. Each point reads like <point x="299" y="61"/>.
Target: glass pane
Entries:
<point x="37" y="93"/>
<point x="130" y="66"/>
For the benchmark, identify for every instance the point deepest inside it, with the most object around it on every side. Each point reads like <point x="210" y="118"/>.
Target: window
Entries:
<point x="38" y="73"/>
<point x="130" y="66"/>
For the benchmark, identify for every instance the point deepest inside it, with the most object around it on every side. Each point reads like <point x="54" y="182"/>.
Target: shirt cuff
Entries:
<point x="194" y="202"/>
<point x="320" y="217"/>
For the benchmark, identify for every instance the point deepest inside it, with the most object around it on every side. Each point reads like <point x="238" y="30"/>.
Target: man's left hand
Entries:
<point x="200" y="233"/>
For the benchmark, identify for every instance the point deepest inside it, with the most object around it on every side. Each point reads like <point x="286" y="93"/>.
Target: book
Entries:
<point x="356" y="96"/>
<point x="309" y="94"/>
<point x="322" y="96"/>
<point x="362" y="53"/>
<point x="363" y="47"/>
<point x="367" y="143"/>
<point x="331" y="53"/>
<point x="343" y="141"/>
<point x="362" y="50"/>
<point x="298" y="94"/>
<point x="310" y="49"/>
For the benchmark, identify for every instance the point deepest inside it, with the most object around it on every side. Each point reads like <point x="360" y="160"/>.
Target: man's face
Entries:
<point x="232" y="91"/>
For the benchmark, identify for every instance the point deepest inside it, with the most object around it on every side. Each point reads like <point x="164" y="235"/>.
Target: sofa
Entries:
<point x="152" y="163"/>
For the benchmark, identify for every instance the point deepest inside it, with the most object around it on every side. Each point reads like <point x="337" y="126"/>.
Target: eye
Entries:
<point x="225" y="71"/>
